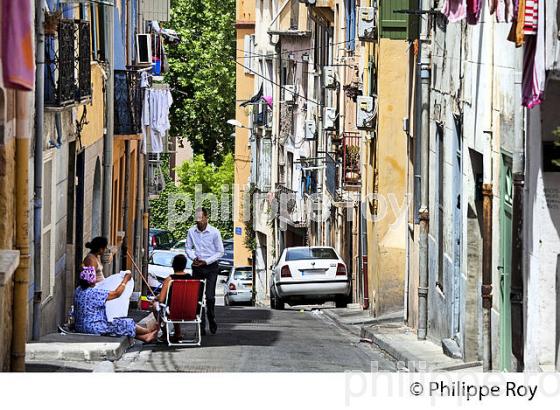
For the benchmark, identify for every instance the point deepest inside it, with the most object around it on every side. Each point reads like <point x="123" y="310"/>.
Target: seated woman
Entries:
<point x="97" y="248"/>
<point x="90" y="316"/>
<point x="179" y="265"/>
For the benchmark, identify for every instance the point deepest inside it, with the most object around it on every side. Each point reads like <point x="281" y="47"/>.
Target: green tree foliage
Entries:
<point x="210" y="181"/>
<point x="203" y="66"/>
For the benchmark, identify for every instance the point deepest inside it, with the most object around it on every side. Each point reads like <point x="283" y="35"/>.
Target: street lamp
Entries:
<point x="236" y="123"/>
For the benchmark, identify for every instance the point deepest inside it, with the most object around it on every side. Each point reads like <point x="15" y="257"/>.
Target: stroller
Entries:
<point x="184" y="304"/>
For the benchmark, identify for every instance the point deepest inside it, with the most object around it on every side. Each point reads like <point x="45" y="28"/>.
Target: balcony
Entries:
<point x="128" y="103"/>
<point x="290" y="203"/>
<point x="351" y="174"/>
<point x="262" y="115"/>
<point x="68" y="65"/>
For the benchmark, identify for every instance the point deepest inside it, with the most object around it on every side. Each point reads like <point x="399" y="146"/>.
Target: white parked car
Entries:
<point x="159" y="265"/>
<point x="179" y="246"/>
<point x="309" y="275"/>
<point x="238" y="287"/>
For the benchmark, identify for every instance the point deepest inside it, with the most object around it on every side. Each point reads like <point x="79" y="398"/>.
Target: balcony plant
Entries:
<point x="51" y="23"/>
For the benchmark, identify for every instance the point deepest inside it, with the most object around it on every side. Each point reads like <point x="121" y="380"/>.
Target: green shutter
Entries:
<point x="398" y="26"/>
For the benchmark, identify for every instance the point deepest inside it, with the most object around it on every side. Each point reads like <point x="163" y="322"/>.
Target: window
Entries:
<point x="243" y="274"/>
<point x="249" y="54"/>
<point x="290" y="170"/>
<point x="350" y="24"/>
<point x="310" y="253"/>
<point x="48" y="231"/>
<point x="294" y="15"/>
<point x="398" y="26"/>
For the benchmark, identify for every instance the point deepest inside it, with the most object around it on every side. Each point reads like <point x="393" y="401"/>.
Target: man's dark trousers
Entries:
<point x="210" y="274"/>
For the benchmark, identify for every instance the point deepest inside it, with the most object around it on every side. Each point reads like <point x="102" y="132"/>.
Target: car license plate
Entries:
<point x="311" y="272"/>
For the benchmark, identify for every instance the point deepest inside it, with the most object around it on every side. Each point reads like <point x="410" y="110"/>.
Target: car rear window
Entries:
<point x="243" y="275"/>
<point x="162" y="259"/>
<point x="166" y="259"/>
<point x="310" y="253"/>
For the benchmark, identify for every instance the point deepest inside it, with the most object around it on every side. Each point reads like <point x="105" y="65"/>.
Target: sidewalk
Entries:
<point x="68" y="352"/>
<point x="399" y="341"/>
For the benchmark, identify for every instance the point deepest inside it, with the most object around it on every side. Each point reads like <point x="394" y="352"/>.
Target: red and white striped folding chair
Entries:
<point x="184" y="305"/>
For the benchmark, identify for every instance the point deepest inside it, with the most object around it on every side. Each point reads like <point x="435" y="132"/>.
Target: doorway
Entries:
<point x="506" y="212"/>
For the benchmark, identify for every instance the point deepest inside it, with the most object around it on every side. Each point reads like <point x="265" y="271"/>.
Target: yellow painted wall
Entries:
<point x="386" y="239"/>
<point x="244" y="91"/>
<point x="93" y="131"/>
<point x="245" y="12"/>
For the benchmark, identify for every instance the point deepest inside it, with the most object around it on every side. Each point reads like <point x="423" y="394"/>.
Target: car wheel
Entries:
<point x="276" y="302"/>
<point x="342" y="301"/>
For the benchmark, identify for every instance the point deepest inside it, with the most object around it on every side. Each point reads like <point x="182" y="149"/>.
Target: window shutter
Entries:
<point x="398" y="26"/>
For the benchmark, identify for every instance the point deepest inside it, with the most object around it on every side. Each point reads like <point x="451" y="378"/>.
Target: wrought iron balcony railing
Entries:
<point x="287" y="196"/>
<point x="262" y="115"/>
<point x="351" y="175"/>
<point x="68" y="64"/>
<point x="128" y="103"/>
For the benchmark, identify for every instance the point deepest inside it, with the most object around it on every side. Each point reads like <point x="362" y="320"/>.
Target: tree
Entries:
<point x="202" y="68"/>
<point x="208" y="179"/>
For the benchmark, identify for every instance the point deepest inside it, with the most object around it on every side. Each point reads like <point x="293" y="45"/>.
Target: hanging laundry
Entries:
<point x="155" y="115"/>
<point x="534" y="61"/>
<point x="454" y="10"/>
<point x="531" y="17"/>
<point x="516" y="33"/>
<point x="504" y="11"/>
<point x="474" y="8"/>
<point x="18" y="66"/>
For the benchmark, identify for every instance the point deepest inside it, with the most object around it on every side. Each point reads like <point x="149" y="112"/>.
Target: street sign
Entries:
<point x="238" y="231"/>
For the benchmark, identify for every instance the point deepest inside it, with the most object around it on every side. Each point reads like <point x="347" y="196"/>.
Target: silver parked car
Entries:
<point x="238" y="287"/>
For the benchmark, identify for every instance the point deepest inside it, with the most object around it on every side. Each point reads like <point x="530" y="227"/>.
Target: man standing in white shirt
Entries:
<point x="204" y="246"/>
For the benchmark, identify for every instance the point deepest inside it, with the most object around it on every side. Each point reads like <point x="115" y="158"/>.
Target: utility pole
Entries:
<point x="423" y="110"/>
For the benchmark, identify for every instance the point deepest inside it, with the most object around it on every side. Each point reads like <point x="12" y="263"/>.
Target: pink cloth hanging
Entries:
<point x="534" y="62"/>
<point x="474" y="7"/>
<point x="454" y="10"/>
<point x="18" y="66"/>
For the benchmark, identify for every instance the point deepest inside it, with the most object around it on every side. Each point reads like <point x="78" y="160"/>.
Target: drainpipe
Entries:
<point x="38" y="166"/>
<point x="146" y="225"/>
<point x="109" y="112"/>
<point x="21" y="281"/>
<point x="124" y="253"/>
<point x="423" y="72"/>
<point x="138" y="243"/>
<point x="487" y="256"/>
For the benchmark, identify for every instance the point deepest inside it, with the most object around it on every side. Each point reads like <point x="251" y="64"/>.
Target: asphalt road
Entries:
<point x="253" y="339"/>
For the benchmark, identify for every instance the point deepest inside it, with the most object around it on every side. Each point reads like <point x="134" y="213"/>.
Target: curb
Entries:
<point x="89" y="352"/>
<point x="412" y="362"/>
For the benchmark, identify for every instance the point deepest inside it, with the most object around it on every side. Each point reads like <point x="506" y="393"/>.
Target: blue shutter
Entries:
<point x="350" y="6"/>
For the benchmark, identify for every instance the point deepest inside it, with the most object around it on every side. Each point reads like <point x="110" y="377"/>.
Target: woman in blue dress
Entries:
<point x="90" y="316"/>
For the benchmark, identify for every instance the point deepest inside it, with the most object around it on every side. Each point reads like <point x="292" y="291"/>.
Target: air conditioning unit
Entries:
<point x="310" y="130"/>
<point x="329" y="119"/>
<point x="143" y="49"/>
<point x="366" y="111"/>
<point x="290" y="94"/>
<point x="329" y="77"/>
<point x="366" y="23"/>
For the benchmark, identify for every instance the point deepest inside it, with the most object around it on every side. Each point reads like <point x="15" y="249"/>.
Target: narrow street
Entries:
<point x="262" y="340"/>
